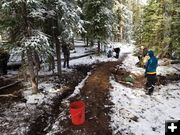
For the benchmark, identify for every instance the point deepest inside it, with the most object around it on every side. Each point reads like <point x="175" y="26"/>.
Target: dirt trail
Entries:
<point x="95" y="94"/>
<point x="96" y="97"/>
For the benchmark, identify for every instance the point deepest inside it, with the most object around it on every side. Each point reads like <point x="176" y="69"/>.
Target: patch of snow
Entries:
<point x="6" y="5"/>
<point x="164" y="70"/>
<point x="48" y="92"/>
<point x="56" y="128"/>
<point x="79" y="86"/>
<point x="130" y="65"/>
<point x="136" y="113"/>
<point x="93" y="59"/>
<point x="37" y="98"/>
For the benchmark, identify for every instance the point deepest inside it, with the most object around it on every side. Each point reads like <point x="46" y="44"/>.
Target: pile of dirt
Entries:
<point x="127" y="78"/>
<point x="167" y="79"/>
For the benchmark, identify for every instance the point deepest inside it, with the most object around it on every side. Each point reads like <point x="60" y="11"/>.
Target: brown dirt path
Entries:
<point x="96" y="97"/>
<point x="95" y="94"/>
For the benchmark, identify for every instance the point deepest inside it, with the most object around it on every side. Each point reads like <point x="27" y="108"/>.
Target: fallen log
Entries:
<point x="168" y="62"/>
<point x="8" y="95"/>
<point x="175" y="61"/>
<point x="178" y="69"/>
<point x="17" y="65"/>
<point x="13" y="66"/>
<point x="10" y="85"/>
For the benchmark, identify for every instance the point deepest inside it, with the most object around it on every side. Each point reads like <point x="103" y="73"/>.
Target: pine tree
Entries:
<point x="28" y="20"/>
<point x="175" y="27"/>
<point x="64" y="23"/>
<point x="159" y="29"/>
<point x="21" y="20"/>
<point x="151" y="31"/>
<point x="124" y="20"/>
<point x="99" y="18"/>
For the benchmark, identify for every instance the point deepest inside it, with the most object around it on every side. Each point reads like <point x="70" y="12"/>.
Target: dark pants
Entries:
<point x="151" y="81"/>
<point x="117" y="51"/>
<point x="66" y="60"/>
<point x="4" y="57"/>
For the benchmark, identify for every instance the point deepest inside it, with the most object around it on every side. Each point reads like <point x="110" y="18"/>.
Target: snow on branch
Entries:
<point x="6" y="5"/>
<point x="42" y="13"/>
<point x="38" y="41"/>
<point x="28" y="1"/>
<point x="39" y="13"/>
<point x="70" y="19"/>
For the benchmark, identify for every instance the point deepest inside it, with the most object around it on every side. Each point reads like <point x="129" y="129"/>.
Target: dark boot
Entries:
<point x="68" y="64"/>
<point x="151" y="89"/>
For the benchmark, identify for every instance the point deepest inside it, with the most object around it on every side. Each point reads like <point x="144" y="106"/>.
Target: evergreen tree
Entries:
<point x="99" y="17"/>
<point x="27" y="21"/>
<point x="151" y="31"/>
<point x="175" y="27"/>
<point x="21" y="19"/>
<point x="124" y="21"/>
<point x="64" y="24"/>
<point x="159" y="28"/>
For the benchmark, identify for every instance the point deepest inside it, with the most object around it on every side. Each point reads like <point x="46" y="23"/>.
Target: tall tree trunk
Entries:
<point x="31" y="72"/>
<point x="51" y="63"/>
<point x="37" y="64"/>
<point x="58" y="55"/>
<point x="73" y="45"/>
<point x="23" y="65"/>
<point x="87" y="41"/>
<point x="36" y="60"/>
<point x="121" y="33"/>
<point x="51" y="57"/>
<point x="29" y="50"/>
<point x="99" y="47"/>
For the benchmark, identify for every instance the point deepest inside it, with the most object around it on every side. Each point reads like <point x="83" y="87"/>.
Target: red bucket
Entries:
<point x="77" y="111"/>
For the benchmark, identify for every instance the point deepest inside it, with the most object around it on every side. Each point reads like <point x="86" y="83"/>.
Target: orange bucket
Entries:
<point x="77" y="111"/>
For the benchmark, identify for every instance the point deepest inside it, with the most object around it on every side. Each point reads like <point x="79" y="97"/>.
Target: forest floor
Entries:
<point x="95" y="94"/>
<point x="51" y="116"/>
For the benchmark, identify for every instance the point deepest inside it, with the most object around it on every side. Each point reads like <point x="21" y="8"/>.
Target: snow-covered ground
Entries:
<point x="48" y="88"/>
<point x="135" y="113"/>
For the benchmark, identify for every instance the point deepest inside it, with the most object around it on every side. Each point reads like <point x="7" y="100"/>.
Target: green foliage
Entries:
<point x="69" y="21"/>
<point x="160" y="27"/>
<point x="21" y="22"/>
<point x="175" y="27"/>
<point x="99" y="18"/>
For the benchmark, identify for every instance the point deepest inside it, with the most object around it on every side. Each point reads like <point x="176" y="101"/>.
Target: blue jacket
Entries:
<point x="151" y="64"/>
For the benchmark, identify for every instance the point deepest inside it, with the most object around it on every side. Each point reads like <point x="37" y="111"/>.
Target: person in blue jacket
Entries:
<point x="150" y="72"/>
